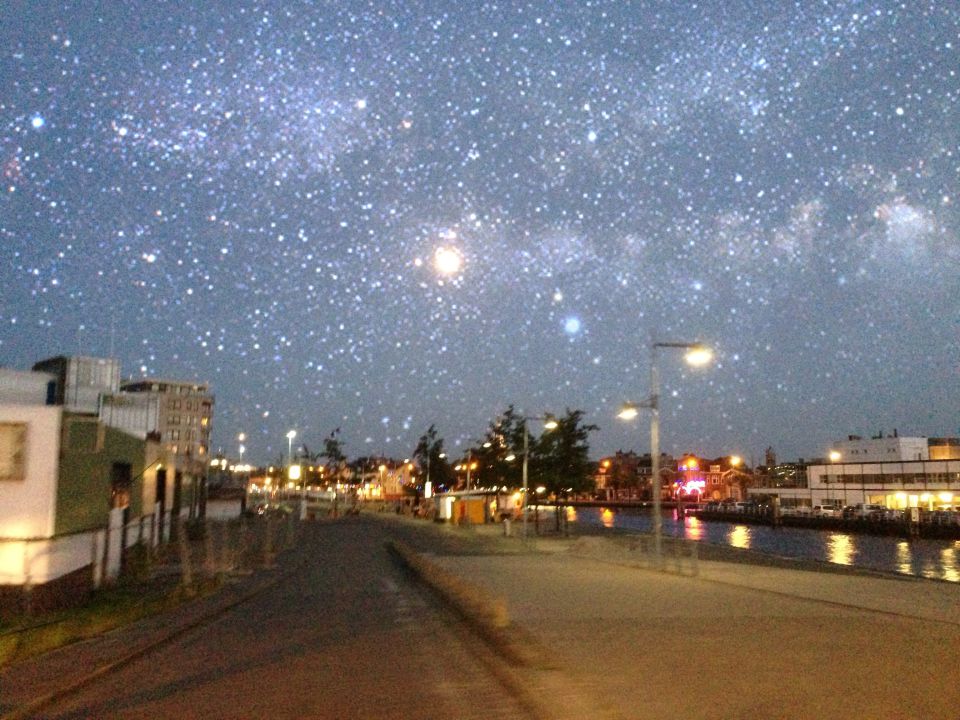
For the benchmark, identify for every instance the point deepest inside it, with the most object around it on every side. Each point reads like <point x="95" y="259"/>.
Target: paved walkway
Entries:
<point x="736" y="641"/>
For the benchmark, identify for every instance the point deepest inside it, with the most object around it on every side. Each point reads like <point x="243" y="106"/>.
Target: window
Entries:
<point x="13" y="441"/>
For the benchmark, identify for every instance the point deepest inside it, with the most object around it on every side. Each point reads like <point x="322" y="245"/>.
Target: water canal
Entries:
<point x="935" y="559"/>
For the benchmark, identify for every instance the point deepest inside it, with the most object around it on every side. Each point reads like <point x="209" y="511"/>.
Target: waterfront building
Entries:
<point x="183" y="413"/>
<point x="893" y="471"/>
<point x="74" y="494"/>
<point x="723" y="478"/>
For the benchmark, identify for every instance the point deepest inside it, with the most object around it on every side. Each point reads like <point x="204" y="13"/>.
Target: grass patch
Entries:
<point x="106" y="610"/>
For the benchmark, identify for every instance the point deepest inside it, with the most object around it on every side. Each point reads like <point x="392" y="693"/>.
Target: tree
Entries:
<point x="503" y="440"/>
<point x="333" y="449"/>
<point x="429" y="454"/>
<point x="561" y="457"/>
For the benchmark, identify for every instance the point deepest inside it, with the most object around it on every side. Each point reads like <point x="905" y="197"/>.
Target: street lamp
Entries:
<point x="549" y="423"/>
<point x="290" y="436"/>
<point x="697" y="354"/>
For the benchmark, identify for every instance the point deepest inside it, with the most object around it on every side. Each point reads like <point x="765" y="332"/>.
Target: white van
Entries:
<point x="826" y="511"/>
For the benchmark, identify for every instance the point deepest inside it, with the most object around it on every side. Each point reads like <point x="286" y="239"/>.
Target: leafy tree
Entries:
<point x="559" y="457"/>
<point x="503" y="440"/>
<point x="562" y="465"/>
<point x="333" y="449"/>
<point x="429" y="453"/>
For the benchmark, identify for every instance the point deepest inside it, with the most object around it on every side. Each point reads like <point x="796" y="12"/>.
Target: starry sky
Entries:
<point x="381" y="215"/>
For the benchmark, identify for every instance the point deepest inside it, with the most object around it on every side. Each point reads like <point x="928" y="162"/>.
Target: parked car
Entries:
<point x="867" y="511"/>
<point x="941" y="517"/>
<point x="830" y="511"/>
<point x="796" y="511"/>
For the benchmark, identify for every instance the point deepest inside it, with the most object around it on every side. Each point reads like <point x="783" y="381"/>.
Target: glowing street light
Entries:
<point x="290" y="436"/>
<point x="697" y="355"/>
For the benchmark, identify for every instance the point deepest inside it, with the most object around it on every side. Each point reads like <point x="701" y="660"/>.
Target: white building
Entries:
<point x="74" y="492"/>
<point x="26" y="387"/>
<point x="880" y="449"/>
<point x="895" y="472"/>
<point x="81" y="380"/>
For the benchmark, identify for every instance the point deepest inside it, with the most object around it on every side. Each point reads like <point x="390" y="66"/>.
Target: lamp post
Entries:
<point x="697" y="355"/>
<point x="290" y="436"/>
<point x="549" y="423"/>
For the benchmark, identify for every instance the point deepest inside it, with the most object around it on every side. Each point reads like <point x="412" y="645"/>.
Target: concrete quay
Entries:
<point x="732" y="641"/>
<point x="584" y="629"/>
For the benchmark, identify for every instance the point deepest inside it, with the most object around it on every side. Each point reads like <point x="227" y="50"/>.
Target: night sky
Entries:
<point x="382" y="215"/>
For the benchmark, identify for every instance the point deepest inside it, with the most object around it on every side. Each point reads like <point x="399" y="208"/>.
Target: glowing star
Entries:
<point x="37" y="122"/>
<point x="361" y="104"/>
<point x="572" y="325"/>
<point x="447" y="261"/>
<point x="592" y="136"/>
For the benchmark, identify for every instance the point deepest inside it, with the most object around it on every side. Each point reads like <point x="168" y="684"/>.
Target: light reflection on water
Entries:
<point x="606" y="517"/>
<point x="840" y="549"/>
<point x="694" y="528"/>
<point x="937" y="559"/>
<point x="739" y="536"/>
<point x="948" y="559"/>
<point x="904" y="557"/>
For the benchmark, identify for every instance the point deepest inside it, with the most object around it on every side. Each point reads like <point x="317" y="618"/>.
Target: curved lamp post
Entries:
<point x="697" y="354"/>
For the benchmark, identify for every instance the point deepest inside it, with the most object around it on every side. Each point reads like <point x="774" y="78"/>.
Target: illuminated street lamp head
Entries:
<point x="628" y="411"/>
<point x="291" y="435"/>
<point x="550" y="422"/>
<point x="698" y="355"/>
<point x="835" y="456"/>
<point x="447" y="261"/>
<point x="735" y="460"/>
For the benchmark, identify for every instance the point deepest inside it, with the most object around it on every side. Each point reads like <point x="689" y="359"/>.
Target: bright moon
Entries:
<point x="447" y="261"/>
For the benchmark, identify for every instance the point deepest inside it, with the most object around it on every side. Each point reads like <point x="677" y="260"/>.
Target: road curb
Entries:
<point x="520" y="664"/>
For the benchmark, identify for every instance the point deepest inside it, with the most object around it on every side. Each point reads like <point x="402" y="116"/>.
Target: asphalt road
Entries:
<point x="349" y="636"/>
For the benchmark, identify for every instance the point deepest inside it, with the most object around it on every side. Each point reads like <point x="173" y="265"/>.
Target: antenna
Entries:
<point x="113" y="333"/>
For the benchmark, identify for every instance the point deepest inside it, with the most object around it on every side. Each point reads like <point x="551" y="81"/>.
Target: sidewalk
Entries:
<point x="735" y="641"/>
<point x="26" y="686"/>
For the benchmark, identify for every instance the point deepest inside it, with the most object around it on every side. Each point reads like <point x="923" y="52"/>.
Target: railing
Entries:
<point x="679" y="556"/>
